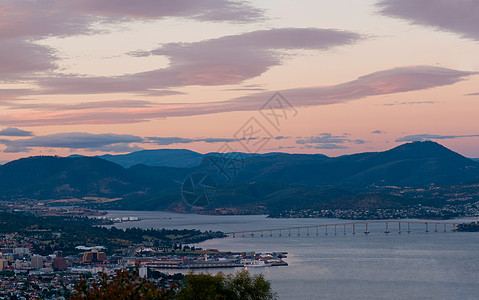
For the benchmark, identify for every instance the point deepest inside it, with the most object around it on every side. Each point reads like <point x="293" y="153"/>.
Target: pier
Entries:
<point x="351" y="228"/>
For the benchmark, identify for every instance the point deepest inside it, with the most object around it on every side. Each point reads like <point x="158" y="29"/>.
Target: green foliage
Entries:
<point x="125" y="285"/>
<point x="73" y="232"/>
<point x="49" y="177"/>
<point x="270" y="183"/>
<point x="180" y="158"/>
<point x="203" y="286"/>
<point x="129" y="285"/>
<point x="240" y="286"/>
<point x="468" y="227"/>
<point x="7" y="273"/>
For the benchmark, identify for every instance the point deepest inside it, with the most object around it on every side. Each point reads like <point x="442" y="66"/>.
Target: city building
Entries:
<point x="3" y="264"/>
<point x="37" y="262"/>
<point x="22" y="264"/>
<point x="21" y="251"/>
<point x="93" y="256"/>
<point x="60" y="264"/>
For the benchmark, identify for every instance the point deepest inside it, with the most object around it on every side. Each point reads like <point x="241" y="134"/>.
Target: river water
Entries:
<point x="416" y="265"/>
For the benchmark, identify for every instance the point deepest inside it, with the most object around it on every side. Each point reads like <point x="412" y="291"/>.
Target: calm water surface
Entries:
<point x="419" y="265"/>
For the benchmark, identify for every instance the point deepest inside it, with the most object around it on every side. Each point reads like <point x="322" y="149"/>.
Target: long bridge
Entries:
<point x="352" y="228"/>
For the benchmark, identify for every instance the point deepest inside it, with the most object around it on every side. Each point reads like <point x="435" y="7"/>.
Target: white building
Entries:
<point x="22" y="264"/>
<point x="21" y="251"/>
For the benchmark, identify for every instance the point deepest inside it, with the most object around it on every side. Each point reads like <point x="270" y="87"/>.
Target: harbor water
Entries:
<point x="415" y="265"/>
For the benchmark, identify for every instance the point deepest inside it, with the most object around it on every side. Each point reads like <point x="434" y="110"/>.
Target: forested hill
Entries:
<point x="266" y="178"/>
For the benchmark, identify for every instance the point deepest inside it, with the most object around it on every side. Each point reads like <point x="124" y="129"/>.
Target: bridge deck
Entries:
<point x="352" y="224"/>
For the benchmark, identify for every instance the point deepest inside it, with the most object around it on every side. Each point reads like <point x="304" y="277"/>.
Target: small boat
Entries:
<point x="254" y="263"/>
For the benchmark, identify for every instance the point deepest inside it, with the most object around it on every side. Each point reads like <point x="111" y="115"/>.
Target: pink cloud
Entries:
<point x="429" y="137"/>
<point x="34" y="19"/>
<point x="210" y="10"/>
<point x="455" y="16"/>
<point x="226" y="60"/>
<point x="81" y="106"/>
<point x="73" y="140"/>
<point x="40" y="18"/>
<point x="23" y="21"/>
<point x="19" y="58"/>
<point x="8" y="95"/>
<point x="379" y="83"/>
<point x="93" y="142"/>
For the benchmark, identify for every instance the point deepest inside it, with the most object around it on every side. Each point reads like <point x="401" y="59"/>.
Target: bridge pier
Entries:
<point x="264" y="232"/>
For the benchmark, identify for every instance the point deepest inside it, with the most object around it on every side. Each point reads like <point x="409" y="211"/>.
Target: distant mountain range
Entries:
<point x="415" y="164"/>
<point x="152" y="179"/>
<point x="183" y="158"/>
<point x="180" y="158"/>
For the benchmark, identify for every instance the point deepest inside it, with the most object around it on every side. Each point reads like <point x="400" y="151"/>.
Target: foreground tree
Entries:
<point x="129" y="285"/>
<point x="125" y="285"/>
<point x="240" y="286"/>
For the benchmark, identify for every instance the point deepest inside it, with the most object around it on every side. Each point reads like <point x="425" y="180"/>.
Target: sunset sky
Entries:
<point x="115" y="76"/>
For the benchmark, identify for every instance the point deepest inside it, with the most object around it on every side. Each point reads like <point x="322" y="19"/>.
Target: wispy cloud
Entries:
<point x="453" y="16"/>
<point x="203" y="10"/>
<point x="71" y="140"/>
<point x="11" y="131"/>
<point x="179" y="140"/>
<point x="9" y="96"/>
<point x="409" y="103"/>
<point x="40" y="18"/>
<point x="359" y="142"/>
<point x="425" y="137"/>
<point x="378" y="132"/>
<point x="245" y="89"/>
<point x="323" y="138"/>
<point x="328" y="141"/>
<point x="108" y="104"/>
<point x="24" y="21"/>
<point x="105" y="142"/>
<point x="385" y="82"/>
<point x="225" y="60"/>
<point x="327" y="146"/>
<point x="20" y="58"/>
